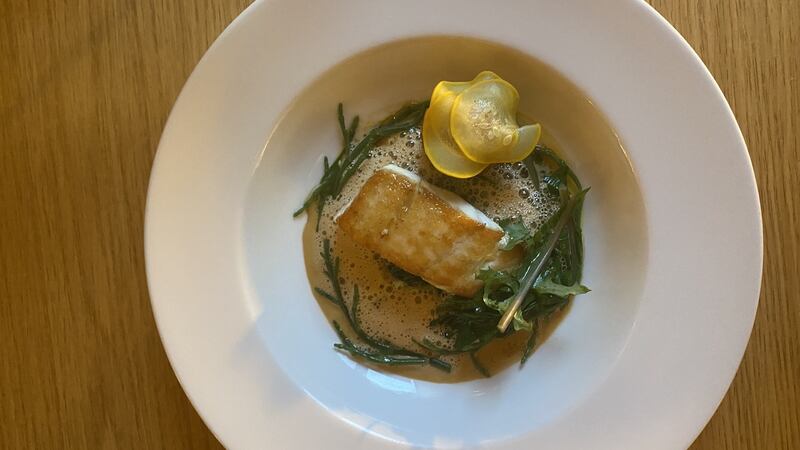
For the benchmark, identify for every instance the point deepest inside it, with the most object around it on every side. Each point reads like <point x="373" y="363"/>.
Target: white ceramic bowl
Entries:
<point x="672" y="226"/>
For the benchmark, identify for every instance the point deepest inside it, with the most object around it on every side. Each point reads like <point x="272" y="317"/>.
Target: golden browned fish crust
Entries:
<point x="408" y="223"/>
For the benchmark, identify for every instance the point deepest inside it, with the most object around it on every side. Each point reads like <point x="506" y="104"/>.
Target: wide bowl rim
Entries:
<point x="167" y="315"/>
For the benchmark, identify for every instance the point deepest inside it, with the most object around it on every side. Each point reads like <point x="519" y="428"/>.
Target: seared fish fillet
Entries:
<point x="425" y="230"/>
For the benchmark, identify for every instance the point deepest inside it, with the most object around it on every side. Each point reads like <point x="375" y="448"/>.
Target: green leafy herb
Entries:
<point x="336" y="174"/>
<point x="561" y="175"/>
<point x="375" y="350"/>
<point x="516" y="231"/>
<point x="548" y="286"/>
<point x="498" y="289"/>
<point x="472" y="323"/>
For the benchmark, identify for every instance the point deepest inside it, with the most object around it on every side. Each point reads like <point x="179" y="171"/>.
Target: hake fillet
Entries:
<point x="425" y="230"/>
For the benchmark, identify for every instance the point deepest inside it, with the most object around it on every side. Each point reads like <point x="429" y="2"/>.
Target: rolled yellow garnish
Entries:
<point x="439" y="144"/>
<point x="470" y="125"/>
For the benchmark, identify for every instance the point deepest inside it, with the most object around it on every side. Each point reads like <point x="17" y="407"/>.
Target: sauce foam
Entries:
<point x="400" y="312"/>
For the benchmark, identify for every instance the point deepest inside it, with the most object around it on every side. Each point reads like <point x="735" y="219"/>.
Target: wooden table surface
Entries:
<point x="85" y="89"/>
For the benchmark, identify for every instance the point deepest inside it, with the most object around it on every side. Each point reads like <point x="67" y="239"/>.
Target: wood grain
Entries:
<point x="753" y="50"/>
<point x="85" y="89"/>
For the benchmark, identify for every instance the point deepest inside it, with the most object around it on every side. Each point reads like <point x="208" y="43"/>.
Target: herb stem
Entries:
<point x="537" y="266"/>
<point x="473" y="356"/>
<point x="336" y="174"/>
<point x="384" y="351"/>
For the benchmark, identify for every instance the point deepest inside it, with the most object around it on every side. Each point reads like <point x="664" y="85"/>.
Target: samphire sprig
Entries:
<point x="336" y="174"/>
<point x="375" y="350"/>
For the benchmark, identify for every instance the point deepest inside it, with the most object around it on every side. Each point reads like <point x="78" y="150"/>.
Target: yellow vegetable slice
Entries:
<point x="456" y="87"/>
<point x="442" y="150"/>
<point x="483" y="125"/>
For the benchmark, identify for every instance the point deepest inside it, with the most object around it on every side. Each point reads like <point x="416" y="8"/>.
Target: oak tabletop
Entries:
<point x="85" y="90"/>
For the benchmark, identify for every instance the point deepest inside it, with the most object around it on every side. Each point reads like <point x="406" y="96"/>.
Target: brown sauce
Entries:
<point x="396" y="311"/>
